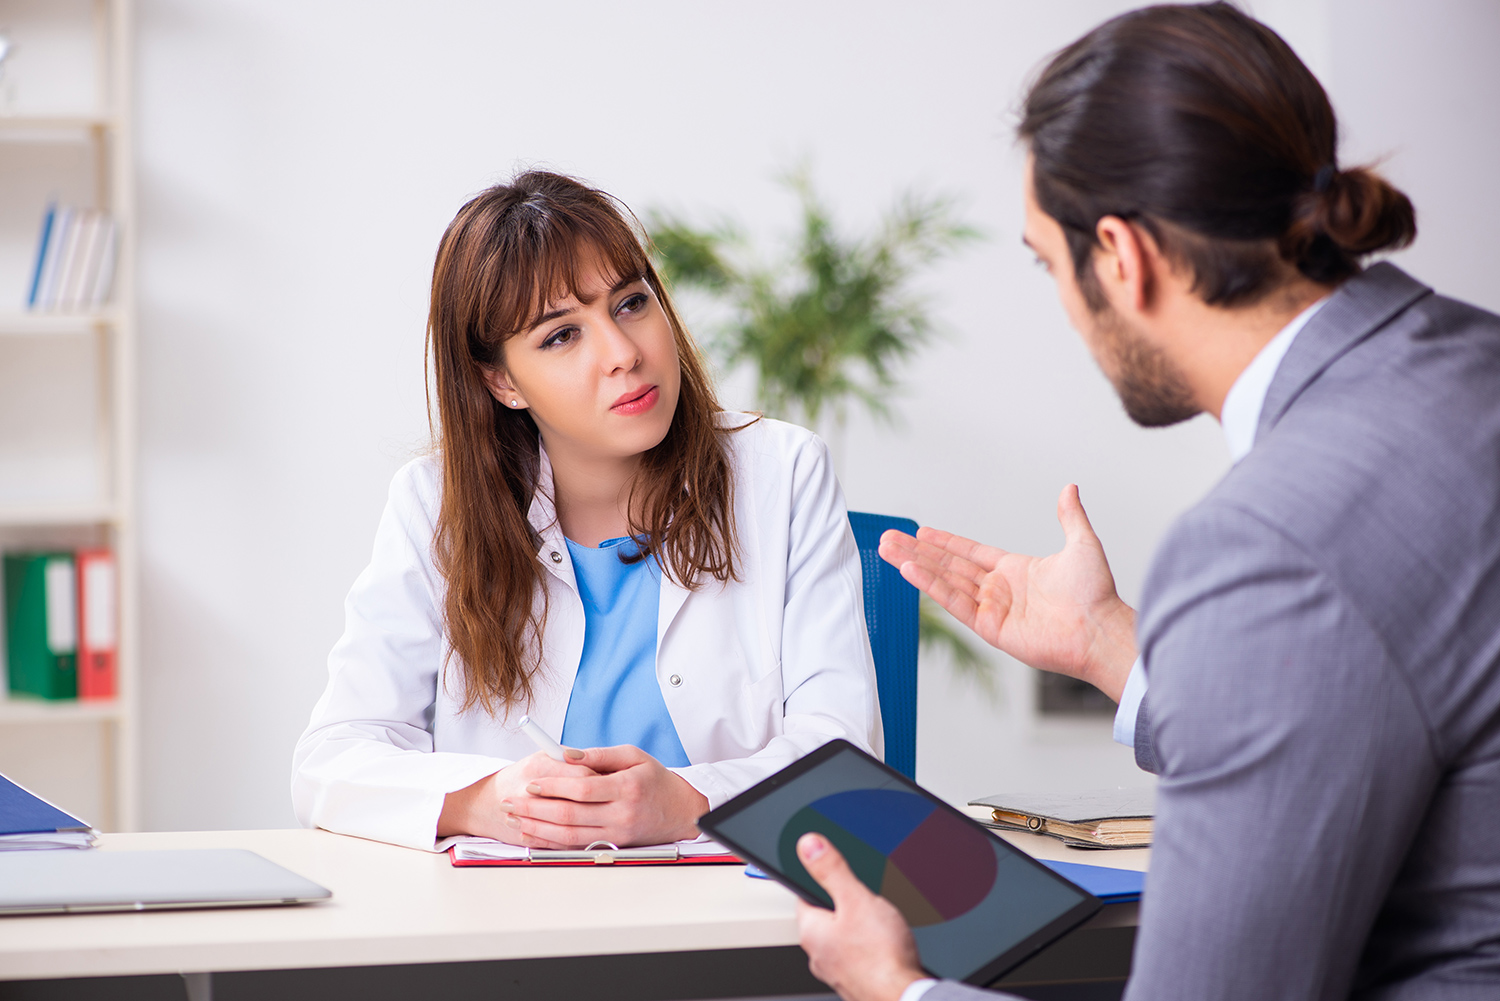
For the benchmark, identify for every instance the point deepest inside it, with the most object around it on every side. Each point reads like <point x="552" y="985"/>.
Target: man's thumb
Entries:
<point x="826" y="865"/>
<point x="1070" y="514"/>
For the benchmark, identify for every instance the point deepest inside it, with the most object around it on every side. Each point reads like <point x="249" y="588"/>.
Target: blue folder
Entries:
<point x="1113" y="886"/>
<point x="28" y="820"/>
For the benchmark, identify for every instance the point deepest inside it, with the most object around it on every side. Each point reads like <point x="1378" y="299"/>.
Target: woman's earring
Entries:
<point x="514" y="403"/>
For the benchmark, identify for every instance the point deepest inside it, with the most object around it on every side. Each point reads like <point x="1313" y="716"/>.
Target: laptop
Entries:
<point x="77" y="881"/>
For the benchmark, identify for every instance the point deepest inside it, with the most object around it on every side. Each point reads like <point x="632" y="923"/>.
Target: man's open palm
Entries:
<point x="1057" y="613"/>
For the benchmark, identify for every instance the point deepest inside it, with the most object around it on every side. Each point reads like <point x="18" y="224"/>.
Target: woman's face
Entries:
<point x="599" y="373"/>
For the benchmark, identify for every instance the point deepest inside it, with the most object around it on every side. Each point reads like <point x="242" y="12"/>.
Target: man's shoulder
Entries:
<point x="1396" y="443"/>
<point x="1379" y="479"/>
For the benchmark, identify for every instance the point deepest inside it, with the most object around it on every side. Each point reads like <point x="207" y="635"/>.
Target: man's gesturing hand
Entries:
<point x="1059" y="613"/>
<point x="862" y="948"/>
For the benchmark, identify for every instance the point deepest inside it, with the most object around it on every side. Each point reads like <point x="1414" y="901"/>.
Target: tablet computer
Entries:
<point x="977" y="906"/>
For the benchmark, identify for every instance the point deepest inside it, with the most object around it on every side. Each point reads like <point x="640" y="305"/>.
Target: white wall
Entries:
<point x="299" y="161"/>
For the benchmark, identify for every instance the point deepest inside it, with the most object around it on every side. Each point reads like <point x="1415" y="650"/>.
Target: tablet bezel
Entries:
<point x="986" y="974"/>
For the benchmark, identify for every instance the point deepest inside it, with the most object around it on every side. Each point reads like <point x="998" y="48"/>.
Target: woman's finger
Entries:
<point x="604" y="760"/>
<point x="543" y="834"/>
<point x="584" y="789"/>
<point x="559" y="812"/>
<point x="538" y="764"/>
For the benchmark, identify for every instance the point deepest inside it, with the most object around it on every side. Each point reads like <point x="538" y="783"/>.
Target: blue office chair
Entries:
<point x="891" y="616"/>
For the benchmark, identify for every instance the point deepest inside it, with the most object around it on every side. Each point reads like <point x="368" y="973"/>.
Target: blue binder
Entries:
<point x="1113" y="886"/>
<point x="30" y="821"/>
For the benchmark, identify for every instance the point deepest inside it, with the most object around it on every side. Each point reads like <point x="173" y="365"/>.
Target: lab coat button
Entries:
<point x="556" y="556"/>
<point x="676" y="680"/>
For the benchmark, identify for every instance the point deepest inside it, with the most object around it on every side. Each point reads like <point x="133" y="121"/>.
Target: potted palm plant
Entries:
<point x="826" y="325"/>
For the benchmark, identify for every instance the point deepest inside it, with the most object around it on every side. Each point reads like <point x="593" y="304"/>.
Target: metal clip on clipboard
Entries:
<point x="603" y="853"/>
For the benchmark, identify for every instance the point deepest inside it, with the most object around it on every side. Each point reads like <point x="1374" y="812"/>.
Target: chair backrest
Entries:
<point x="891" y="617"/>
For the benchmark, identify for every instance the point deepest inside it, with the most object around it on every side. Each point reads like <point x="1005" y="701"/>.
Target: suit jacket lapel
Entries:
<point x="1359" y="307"/>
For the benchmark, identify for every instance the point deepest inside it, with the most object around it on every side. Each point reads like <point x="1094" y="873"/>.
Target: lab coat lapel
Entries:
<point x="562" y="641"/>
<point x="552" y="549"/>
<point x="669" y="604"/>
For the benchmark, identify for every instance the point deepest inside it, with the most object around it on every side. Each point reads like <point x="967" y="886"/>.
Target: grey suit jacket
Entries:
<point x="1322" y="638"/>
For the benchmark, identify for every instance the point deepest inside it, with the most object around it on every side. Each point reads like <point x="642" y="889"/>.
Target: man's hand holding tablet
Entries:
<point x="863" y="932"/>
<point x="893" y="880"/>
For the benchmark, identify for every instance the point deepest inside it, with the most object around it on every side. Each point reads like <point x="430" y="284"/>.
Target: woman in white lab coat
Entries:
<point x="670" y="588"/>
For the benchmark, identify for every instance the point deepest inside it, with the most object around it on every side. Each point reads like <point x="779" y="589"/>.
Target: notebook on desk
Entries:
<point x="1105" y="818"/>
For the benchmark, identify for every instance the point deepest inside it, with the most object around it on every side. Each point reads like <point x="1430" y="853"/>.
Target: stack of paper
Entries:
<point x="27" y="822"/>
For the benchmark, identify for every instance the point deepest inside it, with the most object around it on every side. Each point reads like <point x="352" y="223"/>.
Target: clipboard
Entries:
<point x="480" y="852"/>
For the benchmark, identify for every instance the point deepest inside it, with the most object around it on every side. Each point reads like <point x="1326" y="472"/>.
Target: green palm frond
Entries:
<point x="829" y="324"/>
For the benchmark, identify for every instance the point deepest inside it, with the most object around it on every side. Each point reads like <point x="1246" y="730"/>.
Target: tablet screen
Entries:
<point x="976" y="905"/>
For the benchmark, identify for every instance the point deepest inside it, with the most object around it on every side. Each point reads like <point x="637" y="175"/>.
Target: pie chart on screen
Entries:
<point x="927" y="862"/>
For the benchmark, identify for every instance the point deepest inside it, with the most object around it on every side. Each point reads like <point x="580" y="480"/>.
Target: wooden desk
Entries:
<point x="626" y="932"/>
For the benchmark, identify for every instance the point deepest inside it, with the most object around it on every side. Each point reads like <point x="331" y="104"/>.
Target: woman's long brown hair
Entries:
<point x="507" y="253"/>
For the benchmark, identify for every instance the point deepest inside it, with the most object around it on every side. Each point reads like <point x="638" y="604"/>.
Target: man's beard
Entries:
<point x="1150" y="386"/>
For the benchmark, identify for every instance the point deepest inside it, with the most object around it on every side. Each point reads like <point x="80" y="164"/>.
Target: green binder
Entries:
<point x="41" y="624"/>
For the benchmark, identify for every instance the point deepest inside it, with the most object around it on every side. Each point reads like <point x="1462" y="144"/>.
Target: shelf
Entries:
<point x="94" y="513"/>
<point x="85" y="133"/>
<point x="22" y="710"/>
<point x="25" y="127"/>
<point x="14" y="323"/>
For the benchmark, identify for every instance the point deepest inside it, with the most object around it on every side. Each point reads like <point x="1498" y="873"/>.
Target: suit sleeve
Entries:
<point x="1295" y="768"/>
<point x="1145" y="744"/>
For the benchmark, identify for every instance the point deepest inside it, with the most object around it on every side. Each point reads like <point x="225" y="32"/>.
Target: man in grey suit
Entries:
<point x="1321" y="633"/>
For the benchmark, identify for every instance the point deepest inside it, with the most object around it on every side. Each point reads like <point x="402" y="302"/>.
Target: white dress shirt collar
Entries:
<point x="1241" y="413"/>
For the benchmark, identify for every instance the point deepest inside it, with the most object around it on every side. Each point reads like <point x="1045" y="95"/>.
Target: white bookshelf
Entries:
<point x="65" y="122"/>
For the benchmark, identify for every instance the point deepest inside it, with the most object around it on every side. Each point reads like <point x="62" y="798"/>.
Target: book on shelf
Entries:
<point x="41" y="624"/>
<point x="1106" y="818"/>
<point x="98" y="623"/>
<point x="62" y="623"/>
<point x="44" y="246"/>
<point x="29" y="822"/>
<point x="75" y="260"/>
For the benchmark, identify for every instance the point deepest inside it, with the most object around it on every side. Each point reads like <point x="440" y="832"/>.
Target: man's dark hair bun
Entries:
<point x="1357" y="213"/>
<point x="1202" y="124"/>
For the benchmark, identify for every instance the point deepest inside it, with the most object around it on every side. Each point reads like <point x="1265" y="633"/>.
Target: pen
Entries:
<point x="542" y="739"/>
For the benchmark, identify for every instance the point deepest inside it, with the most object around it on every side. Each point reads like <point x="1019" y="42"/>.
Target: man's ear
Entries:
<point x="1126" y="263"/>
<point x="497" y="380"/>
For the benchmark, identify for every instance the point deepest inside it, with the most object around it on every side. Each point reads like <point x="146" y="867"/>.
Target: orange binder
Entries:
<point x="98" y="623"/>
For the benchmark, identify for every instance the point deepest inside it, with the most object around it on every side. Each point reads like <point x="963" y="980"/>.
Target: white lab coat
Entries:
<point x="755" y="673"/>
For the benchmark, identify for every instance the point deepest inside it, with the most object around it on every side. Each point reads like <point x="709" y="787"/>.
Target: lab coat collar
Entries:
<point x="552" y="548"/>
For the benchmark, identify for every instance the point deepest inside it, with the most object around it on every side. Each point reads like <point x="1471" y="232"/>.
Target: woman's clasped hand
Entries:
<point x="617" y="794"/>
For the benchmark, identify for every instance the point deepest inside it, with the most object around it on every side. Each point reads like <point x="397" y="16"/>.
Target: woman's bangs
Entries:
<point x="550" y="258"/>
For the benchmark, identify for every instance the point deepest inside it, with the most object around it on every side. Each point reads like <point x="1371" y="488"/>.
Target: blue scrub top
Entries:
<point x="616" y="698"/>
